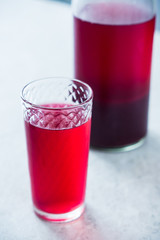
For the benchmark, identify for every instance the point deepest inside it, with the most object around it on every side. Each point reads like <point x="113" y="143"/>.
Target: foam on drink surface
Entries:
<point x="115" y="13"/>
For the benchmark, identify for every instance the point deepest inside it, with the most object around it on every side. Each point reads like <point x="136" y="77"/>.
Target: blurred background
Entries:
<point x="158" y="14"/>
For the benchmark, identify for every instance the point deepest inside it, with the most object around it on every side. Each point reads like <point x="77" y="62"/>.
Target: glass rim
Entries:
<point x="77" y="105"/>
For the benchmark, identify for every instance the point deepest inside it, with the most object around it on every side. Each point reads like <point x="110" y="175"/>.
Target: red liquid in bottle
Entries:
<point x="113" y="50"/>
<point x="58" y="160"/>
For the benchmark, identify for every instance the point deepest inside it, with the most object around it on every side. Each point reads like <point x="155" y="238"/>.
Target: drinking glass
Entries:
<point x="113" y="50"/>
<point x="57" y="116"/>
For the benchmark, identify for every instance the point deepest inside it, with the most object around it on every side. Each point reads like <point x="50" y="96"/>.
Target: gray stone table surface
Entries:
<point x="123" y="189"/>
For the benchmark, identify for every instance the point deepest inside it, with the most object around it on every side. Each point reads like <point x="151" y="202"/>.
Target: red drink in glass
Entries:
<point x="113" y="50"/>
<point x="57" y="115"/>
<point x="58" y="171"/>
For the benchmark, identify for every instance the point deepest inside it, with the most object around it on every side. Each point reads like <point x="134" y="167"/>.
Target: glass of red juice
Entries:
<point x="57" y="116"/>
<point x="113" y="51"/>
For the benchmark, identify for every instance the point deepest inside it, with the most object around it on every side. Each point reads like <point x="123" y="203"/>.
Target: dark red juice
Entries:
<point x="113" y="50"/>
<point x="58" y="159"/>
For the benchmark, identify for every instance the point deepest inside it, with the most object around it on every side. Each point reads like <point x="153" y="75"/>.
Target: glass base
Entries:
<point x="65" y="217"/>
<point x="126" y="148"/>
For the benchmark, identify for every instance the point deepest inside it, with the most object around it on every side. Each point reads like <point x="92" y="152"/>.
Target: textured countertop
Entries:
<point x="123" y="189"/>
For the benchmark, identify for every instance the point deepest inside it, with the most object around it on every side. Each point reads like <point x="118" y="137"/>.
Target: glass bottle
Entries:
<point x="112" y="53"/>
